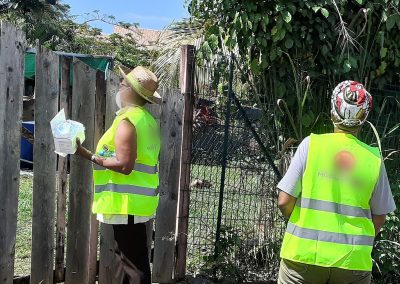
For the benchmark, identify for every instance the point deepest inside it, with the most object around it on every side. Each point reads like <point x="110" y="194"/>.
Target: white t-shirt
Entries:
<point x="114" y="219"/>
<point x="381" y="202"/>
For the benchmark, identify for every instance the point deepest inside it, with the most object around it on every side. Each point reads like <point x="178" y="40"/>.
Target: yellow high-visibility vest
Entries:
<point x="136" y="193"/>
<point x="331" y="224"/>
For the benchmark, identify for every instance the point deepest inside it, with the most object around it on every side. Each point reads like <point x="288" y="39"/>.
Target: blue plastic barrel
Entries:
<point x="26" y="147"/>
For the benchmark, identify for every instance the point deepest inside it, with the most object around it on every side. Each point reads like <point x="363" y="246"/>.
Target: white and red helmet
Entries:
<point x="351" y="104"/>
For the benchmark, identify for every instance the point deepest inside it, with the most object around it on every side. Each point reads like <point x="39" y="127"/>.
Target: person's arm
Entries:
<point x="379" y="221"/>
<point x="125" y="150"/>
<point x="382" y="202"/>
<point x="290" y="186"/>
<point x="83" y="152"/>
<point x="286" y="204"/>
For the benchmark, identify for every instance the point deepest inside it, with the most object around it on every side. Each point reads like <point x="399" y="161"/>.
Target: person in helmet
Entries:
<point x="336" y="195"/>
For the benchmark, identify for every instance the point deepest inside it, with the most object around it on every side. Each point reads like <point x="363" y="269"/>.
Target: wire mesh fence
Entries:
<point x="251" y="228"/>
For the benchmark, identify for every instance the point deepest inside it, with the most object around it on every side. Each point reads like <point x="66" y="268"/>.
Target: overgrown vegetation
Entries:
<point x="288" y="49"/>
<point x="54" y="27"/>
<point x="386" y="253"/>
<point x="234" y="258"/>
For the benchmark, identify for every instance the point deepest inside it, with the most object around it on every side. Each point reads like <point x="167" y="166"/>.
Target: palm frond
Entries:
<point x="166" y="66"/>
<point x="187" y="31"/>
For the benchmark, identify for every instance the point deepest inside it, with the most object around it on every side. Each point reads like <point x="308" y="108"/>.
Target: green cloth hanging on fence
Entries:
<point x="98" y="63"/>
<point x="30" y="65"/>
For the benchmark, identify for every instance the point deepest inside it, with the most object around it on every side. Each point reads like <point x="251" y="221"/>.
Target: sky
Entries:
<point x="150" y="14"/>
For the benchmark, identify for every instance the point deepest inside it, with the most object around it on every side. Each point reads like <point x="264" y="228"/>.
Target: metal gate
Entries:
<point x="235" y="229"/>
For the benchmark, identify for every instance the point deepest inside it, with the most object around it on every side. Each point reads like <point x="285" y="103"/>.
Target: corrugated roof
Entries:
<point x="146" y="37"/>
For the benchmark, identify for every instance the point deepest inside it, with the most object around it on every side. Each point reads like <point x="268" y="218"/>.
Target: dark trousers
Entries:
<point x="133" y="250"/>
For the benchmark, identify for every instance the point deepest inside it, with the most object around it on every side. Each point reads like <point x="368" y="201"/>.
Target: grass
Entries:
<point x="24" y="227"/>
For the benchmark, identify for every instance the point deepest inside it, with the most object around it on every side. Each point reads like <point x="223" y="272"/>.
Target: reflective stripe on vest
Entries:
<point x="124" y="188"/>
<point x="334" y="207"/>
<point x="331" y="224"/>
<point x="330" y="237"/>
<point x="138" y="167"/>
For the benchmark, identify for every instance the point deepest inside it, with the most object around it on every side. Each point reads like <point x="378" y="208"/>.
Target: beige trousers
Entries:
<point x="298" y="273"/>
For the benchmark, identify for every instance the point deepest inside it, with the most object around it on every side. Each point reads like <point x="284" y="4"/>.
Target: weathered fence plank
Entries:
<point x="106" y="269"/>
<point x="99" y="120"/>
<point x="111" y="106"/>
<point x="149" y="233"/>
<point x="44" y="159"/>
<point x="171" y="132"/>
<point x="187" y="88"/>
<point x="65" y="97"/>
<point x="155" y="111"/>
<point x="81" y="178"/>
<point x="106" y="266"/>
<point x="12" y="48"/>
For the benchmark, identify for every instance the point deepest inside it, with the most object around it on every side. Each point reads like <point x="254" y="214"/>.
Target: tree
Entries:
<point x="125" y="49"/>
<point x="40" y="20"/>
<point x="53" y="26"/>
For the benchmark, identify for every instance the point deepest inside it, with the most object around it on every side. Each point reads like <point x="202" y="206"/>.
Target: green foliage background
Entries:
<point x="299" y="50"/>
<point x="263" y="31"/>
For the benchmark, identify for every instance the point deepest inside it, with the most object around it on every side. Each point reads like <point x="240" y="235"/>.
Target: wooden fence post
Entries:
<point x="44" y="160"/>
<point x="155" y="111"/>
<point x="99" y="120"/>
<point x="171" y="131"/>
<point x="12" y="51"/>
<point x="106" y="269"/>
<point x="81" y="178"/>
<point x="65" y="97"/>
<point x="187" y="89"/>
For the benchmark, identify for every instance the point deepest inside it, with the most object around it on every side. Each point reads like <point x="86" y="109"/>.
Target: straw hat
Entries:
<point x="143" y="82"/>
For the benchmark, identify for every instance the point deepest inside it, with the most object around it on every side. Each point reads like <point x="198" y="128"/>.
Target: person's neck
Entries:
<point x="138" y="101"/>
<point x="135" y="104"/>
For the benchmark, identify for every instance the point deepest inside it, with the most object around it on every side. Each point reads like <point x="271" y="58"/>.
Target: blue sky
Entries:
<point x="150" y="14"/>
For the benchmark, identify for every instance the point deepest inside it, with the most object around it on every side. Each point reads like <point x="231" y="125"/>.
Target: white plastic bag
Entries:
<point x="65" y="133"/>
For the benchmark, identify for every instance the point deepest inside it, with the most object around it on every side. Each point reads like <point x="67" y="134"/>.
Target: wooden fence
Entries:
<point x="64" y="248"/>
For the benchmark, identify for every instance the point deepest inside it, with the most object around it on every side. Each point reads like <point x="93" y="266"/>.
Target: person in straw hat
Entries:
<point x="125" y="171"/>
